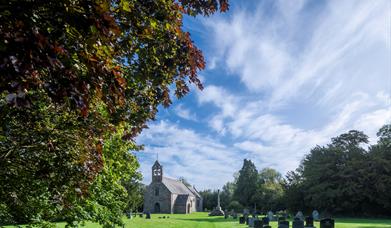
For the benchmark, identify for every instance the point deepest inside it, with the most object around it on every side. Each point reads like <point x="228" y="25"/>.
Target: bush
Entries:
<point x="235" y="205"/>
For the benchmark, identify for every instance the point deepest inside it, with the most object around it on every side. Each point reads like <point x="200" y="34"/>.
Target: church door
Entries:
<point x="157" y="208"/>
<point x="188" y="208"/>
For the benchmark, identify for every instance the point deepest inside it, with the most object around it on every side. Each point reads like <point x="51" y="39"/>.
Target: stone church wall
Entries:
<point x="164" y="198"/>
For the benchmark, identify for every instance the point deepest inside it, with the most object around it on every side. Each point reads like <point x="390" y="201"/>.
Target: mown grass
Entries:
<point x="202" y="220"/>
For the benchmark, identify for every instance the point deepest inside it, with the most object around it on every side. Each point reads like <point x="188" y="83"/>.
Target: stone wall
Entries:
<point x="164" y="198"/>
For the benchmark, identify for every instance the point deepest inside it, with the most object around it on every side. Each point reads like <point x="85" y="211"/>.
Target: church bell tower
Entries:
<point x="157" y="172"/>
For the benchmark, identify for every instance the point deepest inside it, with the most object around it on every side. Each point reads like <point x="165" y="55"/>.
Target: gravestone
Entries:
<point x="298" y="224"/>
<point x="315" y="215"/>
<point x="234" y="215"/>
<point x="265" y="221"/>
<point x="283" y="224"/>
<point x="241" y="220"/>
<point x="270" y="215"/>
<point x="226" y="214"/>
<point x="309" y="222"/>
<point x="327" y="223"/>
<point x="300" y="215"/>
<point x="147" y="215"/>
<point x="246" y="218"/>
<point x="258" y="224"/>
<point x="129" y="215"/>
<point x="251" y="222"/>
<point x="141" y="215"/>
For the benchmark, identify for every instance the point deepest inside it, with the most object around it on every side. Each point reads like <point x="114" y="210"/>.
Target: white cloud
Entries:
<point x="184" y="113"/>
<point x="341" y="46"/>
<point x="202" y="160"/>
<point x="334" y="62"/>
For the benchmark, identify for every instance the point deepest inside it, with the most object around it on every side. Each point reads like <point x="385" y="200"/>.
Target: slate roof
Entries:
<point x="177" y="187"/>
<point x="194" y="191"/>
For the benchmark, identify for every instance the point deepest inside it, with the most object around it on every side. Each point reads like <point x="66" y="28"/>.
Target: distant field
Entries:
<point x="201" y="220"/>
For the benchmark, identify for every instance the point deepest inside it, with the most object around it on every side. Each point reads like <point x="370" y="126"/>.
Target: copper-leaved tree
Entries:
<point x="79" y="79"/>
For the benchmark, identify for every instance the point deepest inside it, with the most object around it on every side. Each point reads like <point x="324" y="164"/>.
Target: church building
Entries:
<point x="166" y="195"/>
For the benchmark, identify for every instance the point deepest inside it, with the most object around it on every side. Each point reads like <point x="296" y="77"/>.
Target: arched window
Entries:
<point x="156" y="191"/>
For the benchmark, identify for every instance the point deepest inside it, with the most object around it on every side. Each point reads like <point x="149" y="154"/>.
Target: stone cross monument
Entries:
<point x="217" y="210"/>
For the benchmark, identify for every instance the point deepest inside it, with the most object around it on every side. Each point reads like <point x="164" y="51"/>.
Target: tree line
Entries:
<point x="346" y="177"/>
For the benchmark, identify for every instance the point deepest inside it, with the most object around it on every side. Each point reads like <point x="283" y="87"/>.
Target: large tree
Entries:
<point x="246" y="184"/>
<point x="79" y="78"/>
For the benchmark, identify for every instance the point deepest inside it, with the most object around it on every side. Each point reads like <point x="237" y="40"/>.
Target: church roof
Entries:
<point x="194" y="191"/>
<point x="177" y="187"/>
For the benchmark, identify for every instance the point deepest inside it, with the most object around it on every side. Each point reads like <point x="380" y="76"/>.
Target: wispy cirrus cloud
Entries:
<point x="307" y="71"/>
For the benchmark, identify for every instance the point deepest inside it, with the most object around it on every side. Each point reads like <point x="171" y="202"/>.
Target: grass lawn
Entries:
<point x="201" y="220"/>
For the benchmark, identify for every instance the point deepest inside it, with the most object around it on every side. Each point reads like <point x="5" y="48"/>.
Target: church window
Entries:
<point x="156" y="191"/>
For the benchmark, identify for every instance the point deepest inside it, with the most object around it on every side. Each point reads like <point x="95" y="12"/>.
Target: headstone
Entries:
<point x="283" y="224"/>
<point x="251" y="222"/>
<point x="298" y="224"/>
<point x="234" y="215"/>
<point x="315" y="215"/>
<point x="246" y="212"/>
<point x="147" y="215"/>
<point x="241" y="220"/>
<point x="265" y="221"/>
<point x="129" y="215"/>
<point x="226" y="214"/>
<point x="270" y="215"/>
<point x="141" y="215"/>
<point x="309" y="222"/>
<point x="327" y="223"/>
<point x="258" y="224"/>
<point x="246" y="218"/>
<point x="300" y="215"/>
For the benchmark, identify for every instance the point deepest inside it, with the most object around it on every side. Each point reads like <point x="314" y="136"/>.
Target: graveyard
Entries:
<point x="202" y="220"/>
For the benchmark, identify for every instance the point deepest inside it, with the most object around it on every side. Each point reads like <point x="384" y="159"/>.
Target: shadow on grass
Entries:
<point x="209" y="219"/>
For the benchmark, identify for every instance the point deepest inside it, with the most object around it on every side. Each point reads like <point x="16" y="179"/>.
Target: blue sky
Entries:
<point x="281" y="77"/>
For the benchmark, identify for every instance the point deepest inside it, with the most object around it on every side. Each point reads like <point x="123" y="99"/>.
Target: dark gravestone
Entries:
<point x="241" y="220"/>
<point x="147" y="215"/>
<point x="226" y="215"/>
<point x="141" y="215"/>
<point x="283" y="224"/>
<point x="258" y="224"/>
<point x="265" y="221"/>
<point x="309" y="222"/>
<point x="327" y="223"/>
<point x="297" y="224"/>
<point x="247" y="220"/>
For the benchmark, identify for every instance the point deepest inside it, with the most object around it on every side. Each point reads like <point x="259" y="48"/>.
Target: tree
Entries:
<point x="209" y="199"/>
<point x="247" y="184"/>
<point x="226" y="194"/>
<point x="269" y="193"/>
<point x="74" y="75"/>
<point x="344" y="177"/>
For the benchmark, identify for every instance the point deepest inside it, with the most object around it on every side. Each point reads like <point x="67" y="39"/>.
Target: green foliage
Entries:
<point x="79" y="80"/>
<point x="344" y="177"/>
<point x="235" y="205"/>
<point x="246" y="184"/>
